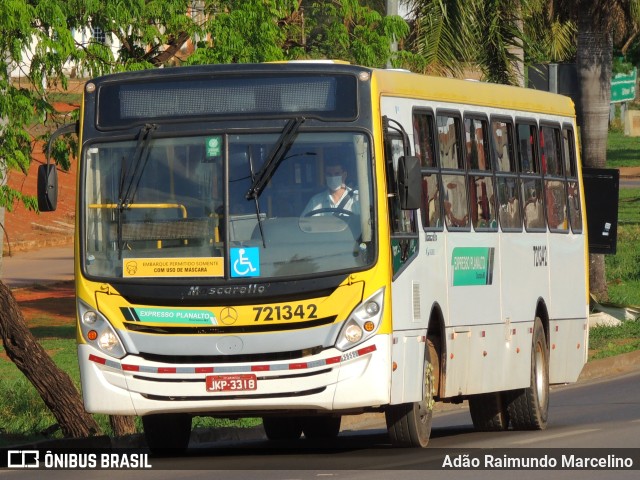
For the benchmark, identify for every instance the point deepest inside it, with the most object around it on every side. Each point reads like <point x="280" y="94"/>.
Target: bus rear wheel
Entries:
<point x="167" y="433"/>
<point x="529" y="407"/>
<point x="409" y="424"/>
<point x="282" y="428"/>
<point x="489" y="412"/>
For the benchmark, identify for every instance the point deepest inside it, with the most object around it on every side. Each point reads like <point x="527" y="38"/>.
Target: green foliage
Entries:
<point x="248" y="31"/>
<point x="349" y="31"/>
<point x="22" y="411"/>
<point x="623" y="268"/>
<point x="629" y="206"/>
<point x="157" y="33"/>
<point x="456" y="36"/>
<point x="609" y="341"/>
<point x="547" y="37"/>
<point x="622" y="150"/>
<point x="621" y="65"/>
<point x="242" y="31"/>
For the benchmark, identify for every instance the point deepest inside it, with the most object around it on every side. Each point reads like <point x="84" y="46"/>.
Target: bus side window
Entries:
<point x="573" y="187"/>
<point x="530" y="177"/>
<point x="431" y="209"/>
<point x="504" y="162"/>
<point x="526" y="134"/>
<point x="481" y="191"/>
<point x="424" y="148"/>
<point x="423" y="141"/>
<point x="555" y="194"/>
<point x="454" y="194"/>
<point x="533" y="204"/>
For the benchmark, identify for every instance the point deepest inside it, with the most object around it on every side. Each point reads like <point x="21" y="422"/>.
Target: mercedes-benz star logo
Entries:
<point x="228" y="315"/>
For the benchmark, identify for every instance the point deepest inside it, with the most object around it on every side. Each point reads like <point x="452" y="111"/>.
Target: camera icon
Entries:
<point x="23" y="459"/>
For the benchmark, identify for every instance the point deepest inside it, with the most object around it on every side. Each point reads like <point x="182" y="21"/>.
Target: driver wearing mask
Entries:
<point x="337" y="196"/>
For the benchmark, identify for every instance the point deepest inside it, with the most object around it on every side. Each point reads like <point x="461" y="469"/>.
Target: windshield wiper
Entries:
<point x="139" y="162"/>
<point x="140" y="158"/>
<point x="255" y="198"/>
<point x="286" y="139"/>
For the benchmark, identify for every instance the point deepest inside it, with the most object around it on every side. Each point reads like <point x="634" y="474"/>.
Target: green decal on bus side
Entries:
<point x="472" y="266"/>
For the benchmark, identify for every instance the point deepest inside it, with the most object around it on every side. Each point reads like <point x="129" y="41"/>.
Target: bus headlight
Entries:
<point x="97" y="331"/>
<point x="362" y="323"/>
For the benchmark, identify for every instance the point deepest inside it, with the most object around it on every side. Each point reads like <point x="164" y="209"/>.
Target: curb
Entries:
<point x="611" y="366"/>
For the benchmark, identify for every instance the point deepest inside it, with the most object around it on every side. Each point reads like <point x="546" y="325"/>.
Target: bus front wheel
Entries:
<point x="409" y="424"/>
<point x="167" y="434"/>
<point x="528" y="407"/>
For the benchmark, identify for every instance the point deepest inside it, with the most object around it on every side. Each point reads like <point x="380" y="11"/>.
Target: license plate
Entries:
<point x="231" y="383"/>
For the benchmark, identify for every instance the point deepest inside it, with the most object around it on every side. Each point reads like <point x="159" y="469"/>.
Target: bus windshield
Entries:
<point x="183" y="207"/>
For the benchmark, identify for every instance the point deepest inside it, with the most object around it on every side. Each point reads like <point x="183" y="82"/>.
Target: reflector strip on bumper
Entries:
<point x="236" y="368"/>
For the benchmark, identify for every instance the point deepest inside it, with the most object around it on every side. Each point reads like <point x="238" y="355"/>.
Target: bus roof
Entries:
<point x="470" y="92"/>
<point x="387" y="82"/>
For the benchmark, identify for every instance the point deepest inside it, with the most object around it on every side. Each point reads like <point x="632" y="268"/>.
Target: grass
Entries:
<point x="623" y="269"/>
<point x="607" y="341"/>
<point x="622" y="151"/>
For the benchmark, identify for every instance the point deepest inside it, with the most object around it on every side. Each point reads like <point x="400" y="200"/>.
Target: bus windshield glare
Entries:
<point x="180" y="207"/>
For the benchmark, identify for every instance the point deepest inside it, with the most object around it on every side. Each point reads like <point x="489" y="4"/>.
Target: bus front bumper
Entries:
<point x="330" y="381"/>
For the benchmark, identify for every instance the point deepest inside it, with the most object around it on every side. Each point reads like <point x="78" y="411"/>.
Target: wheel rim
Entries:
<point x="426" y="405"/>
<point x="540" y="375"/>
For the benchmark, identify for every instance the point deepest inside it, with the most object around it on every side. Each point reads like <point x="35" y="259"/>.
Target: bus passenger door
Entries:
<point x="409" y="326"/>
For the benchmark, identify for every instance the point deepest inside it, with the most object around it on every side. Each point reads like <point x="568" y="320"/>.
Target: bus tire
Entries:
<point x="409" y="424"/>
<point x="282" y="428"/>
<point x="167" y="433"/>
<point x="489" y="412"/>
<point x="322" y="427"/>
<point x="529" y="407"/>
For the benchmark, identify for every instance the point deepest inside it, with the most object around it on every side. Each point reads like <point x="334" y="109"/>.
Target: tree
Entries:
<point x="493" y="37"/>
<point x="259" y="31"/>
<point x="20" y="109"/>
<point x="348" y="30"/>
<point x="599" y="23"/>
<point x="53" y="385"/>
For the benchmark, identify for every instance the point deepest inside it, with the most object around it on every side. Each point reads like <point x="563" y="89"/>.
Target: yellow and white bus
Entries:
<point x="443" y="258"/>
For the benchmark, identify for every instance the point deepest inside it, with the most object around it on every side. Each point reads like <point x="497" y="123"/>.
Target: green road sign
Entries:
<point x="623" y="86"/>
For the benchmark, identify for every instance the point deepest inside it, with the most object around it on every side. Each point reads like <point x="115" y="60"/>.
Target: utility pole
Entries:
<point x="392" y="9"/>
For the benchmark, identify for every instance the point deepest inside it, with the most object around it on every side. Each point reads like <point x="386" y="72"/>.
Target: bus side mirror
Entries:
<point x="47" y="188"/>
<point x="409" y="184"/>
<point x="48" y="175"/>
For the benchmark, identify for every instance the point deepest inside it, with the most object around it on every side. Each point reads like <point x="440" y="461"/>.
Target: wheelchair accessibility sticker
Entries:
<point x="245" y="262"/>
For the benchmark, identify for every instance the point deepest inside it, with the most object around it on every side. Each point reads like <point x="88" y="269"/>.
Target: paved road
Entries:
<point x="42" y="266"/>
<point x="601" y="415"/>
